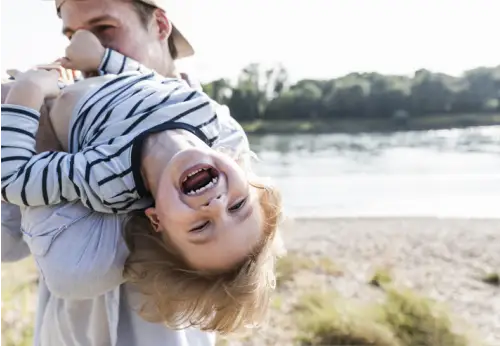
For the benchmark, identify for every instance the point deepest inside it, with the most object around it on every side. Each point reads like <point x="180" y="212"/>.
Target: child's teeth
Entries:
<point x="194" y="172"/>
<point x="204" y="188"/>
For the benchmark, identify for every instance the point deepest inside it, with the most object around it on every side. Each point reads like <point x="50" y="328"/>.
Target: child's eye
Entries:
<point x="238" y="205"/>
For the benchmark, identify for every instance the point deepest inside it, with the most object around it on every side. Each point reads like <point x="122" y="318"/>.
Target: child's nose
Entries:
<point x="216" y="203"/>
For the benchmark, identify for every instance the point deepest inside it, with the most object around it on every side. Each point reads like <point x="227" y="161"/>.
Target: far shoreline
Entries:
<point x="327" y="219"/>
<point x="375" y="125"/>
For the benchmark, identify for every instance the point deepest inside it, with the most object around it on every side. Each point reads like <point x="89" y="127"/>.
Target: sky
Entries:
<point x="312" y="39"/>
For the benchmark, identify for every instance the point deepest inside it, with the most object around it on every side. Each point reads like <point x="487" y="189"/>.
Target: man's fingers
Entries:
<point x="66" y="63"/>
<point x="55" y="72"/>
<point x="66" y="75"/>
<point x="48" y="67"/>
<point x="56" y="68"/>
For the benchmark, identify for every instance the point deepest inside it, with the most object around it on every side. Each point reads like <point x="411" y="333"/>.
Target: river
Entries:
<point x="441" y="173"/>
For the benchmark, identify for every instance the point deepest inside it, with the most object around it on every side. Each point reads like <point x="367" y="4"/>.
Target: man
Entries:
<point x="91" y="306"/>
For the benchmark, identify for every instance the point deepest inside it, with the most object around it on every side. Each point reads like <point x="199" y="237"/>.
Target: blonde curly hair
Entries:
<point x="181" y="296"/>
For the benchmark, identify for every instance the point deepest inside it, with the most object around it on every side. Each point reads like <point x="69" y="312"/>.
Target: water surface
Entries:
<point x="444" y="173"/>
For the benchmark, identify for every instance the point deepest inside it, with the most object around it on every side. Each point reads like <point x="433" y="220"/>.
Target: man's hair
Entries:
<point x="145" y="12"/>
<point x="180" y="296"/>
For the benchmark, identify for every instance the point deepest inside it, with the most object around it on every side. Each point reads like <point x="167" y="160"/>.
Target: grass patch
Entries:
<point x="491" y="279"/>
<point x="418" y="321"/>
<point x="329" y="319"/>
<point x="326" y="265"/>
<point x="288" y="266"/>
<point x="277" y="302"/>
<point x="19" y="287"/>
<point x="403" y="319"/>
<point x="381" y="277"/>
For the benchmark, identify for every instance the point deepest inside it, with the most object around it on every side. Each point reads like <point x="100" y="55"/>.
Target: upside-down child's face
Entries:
<point x="206" y="207"/>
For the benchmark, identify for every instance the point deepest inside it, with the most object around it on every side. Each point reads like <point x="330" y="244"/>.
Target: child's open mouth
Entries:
<point x="199" y="179"/>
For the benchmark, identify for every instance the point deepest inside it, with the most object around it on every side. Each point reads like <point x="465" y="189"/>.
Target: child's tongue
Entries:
<point x="197" y="181"/>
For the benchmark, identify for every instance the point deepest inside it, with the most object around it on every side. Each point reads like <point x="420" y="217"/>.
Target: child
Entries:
<point x="202" y="230"/>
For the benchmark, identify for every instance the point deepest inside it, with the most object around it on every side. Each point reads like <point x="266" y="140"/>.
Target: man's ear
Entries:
<point x="152" y="215"/>
<point x="163" y="24"/>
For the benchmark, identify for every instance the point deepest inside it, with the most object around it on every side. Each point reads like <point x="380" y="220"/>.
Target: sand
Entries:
<point x="441" y="258"/>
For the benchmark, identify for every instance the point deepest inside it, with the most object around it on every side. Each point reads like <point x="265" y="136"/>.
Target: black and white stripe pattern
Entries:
<point x="99" y="170"/>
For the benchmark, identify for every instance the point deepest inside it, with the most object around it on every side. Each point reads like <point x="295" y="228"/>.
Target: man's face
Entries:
<point x="117" y="25"/>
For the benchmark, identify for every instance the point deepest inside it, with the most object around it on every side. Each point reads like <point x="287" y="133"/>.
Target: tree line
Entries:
<point x="266" y="93"/>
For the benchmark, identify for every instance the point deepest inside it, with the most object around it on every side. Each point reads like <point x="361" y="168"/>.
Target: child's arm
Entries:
<point x="114" y="62"/>
<point x="86" y="53"/>
<point x="47" y="178"/>
<point x="53" y="177"/>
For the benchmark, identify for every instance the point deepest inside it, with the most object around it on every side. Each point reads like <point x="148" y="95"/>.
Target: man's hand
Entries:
<point x="84" y="53"/>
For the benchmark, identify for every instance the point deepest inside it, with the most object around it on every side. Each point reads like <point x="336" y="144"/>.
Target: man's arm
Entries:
<point x="13" y="246"/>
<point x="80" y="253"/>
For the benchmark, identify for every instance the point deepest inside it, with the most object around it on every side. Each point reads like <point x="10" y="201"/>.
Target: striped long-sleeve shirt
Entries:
<point x="107" y="128"/>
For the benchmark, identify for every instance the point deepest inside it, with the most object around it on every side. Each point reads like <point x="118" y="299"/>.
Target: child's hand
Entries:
<point x="84" y="53"/>
<point x="32" y="87"/>
<point x="45" y="81"/>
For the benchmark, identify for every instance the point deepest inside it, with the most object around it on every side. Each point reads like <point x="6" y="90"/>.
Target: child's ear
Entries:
<point x="153" y="218"/>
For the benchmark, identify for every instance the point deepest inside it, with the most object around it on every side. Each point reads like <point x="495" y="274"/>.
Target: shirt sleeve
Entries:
<point x="30" y="179"/>
<point x="114" y="62"/>
<point x="14" y="248"/>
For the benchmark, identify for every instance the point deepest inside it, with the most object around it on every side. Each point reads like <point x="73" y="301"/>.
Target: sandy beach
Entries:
<point x="441" y="258"/>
